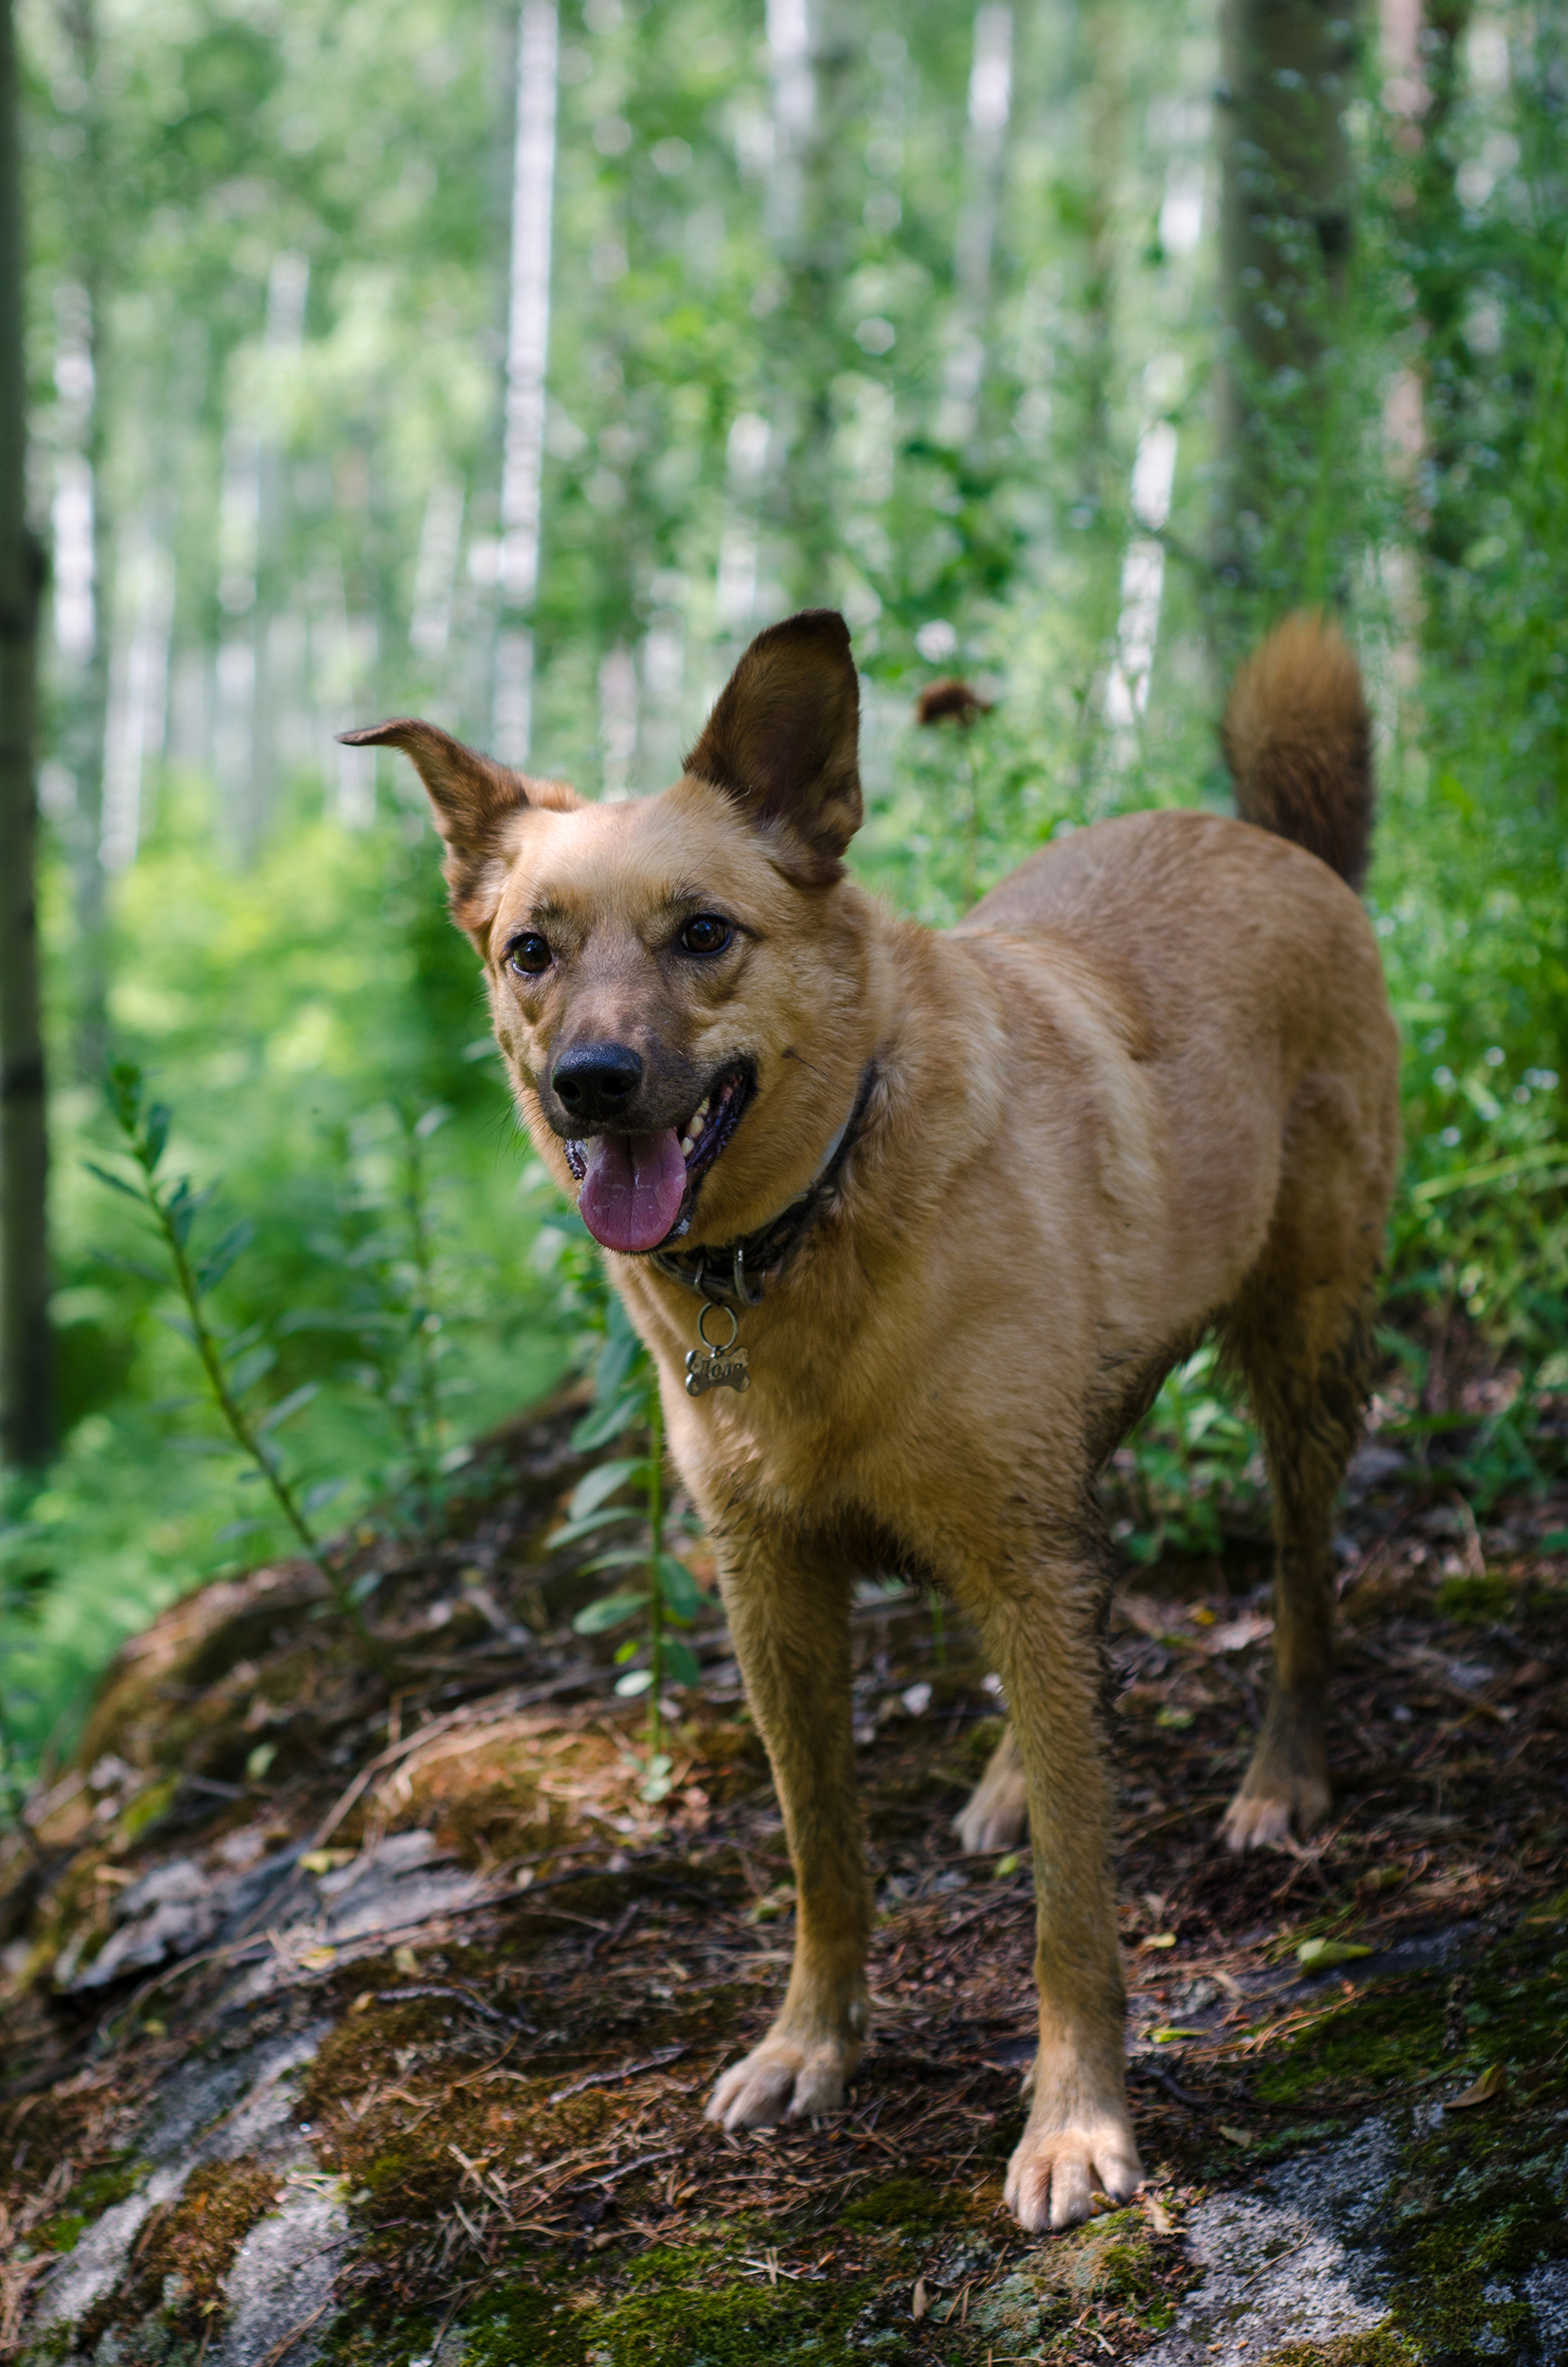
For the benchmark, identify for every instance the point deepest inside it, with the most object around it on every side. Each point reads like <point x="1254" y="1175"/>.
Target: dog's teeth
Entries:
<point x="703" y="1106"/>
<point x="687" y="1145"/>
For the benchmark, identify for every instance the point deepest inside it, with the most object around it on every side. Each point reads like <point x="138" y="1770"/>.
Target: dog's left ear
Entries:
<point x="783" y="741"/>
<point x="476" y="804"/>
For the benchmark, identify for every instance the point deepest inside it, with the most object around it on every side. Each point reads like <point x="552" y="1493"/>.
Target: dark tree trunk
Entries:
<point x="27" y="1396"/>
<point x="1286" y="228"/>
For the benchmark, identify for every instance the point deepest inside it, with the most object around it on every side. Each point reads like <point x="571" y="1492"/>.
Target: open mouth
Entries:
<point x="638" y="1190"/>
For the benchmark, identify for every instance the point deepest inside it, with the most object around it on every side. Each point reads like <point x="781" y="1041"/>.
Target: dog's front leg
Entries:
<point x="789" y="1616"/>
<point x="1046" y="1634"/>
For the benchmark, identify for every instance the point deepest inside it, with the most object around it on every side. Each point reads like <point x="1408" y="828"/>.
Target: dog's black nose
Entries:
<point x="596" y="1081"/>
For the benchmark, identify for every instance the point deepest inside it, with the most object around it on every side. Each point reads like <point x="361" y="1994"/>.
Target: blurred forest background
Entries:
<point x="512" y="367"/>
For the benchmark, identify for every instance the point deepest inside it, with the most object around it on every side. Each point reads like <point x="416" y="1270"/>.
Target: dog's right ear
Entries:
<point x="783" y="743"/>
<point x="476" y="804"/>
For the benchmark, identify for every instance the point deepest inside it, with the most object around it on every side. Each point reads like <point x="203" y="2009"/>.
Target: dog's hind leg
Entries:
<point x="1305" y="1363"/>
<point x="789" y="1617"/>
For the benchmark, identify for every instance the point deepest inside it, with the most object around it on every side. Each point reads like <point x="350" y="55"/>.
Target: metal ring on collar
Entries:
<point x="717" y="1347"/>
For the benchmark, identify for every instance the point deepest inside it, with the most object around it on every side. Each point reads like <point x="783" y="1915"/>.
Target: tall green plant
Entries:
<point x="663" y="1596"/>
<point x="231" y="1365"/>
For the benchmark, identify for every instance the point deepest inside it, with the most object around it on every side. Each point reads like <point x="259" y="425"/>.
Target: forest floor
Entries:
<point x="336" y="2028"/>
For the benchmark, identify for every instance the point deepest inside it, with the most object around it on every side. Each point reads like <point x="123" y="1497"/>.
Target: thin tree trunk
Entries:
<point x="1442" y="267"/>
<point x="527" y="354"/>
<point x="1286" y="227"/>
<point x="27" y="1396"/>
<point x="990" y="108"/>
<point x="814" y="54"/>
<point x="84" y="721"/>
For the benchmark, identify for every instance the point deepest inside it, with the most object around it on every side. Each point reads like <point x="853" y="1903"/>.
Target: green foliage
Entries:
<point x="234" y="1362"/>
<point x="625" y="1398"/>
<point x="758" y="396"/>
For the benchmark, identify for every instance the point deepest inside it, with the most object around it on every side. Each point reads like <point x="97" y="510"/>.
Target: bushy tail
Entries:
<point x="1298" y="742"/>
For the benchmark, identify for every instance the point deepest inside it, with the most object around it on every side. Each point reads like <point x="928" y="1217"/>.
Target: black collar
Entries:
<point x="739" y="1271"/>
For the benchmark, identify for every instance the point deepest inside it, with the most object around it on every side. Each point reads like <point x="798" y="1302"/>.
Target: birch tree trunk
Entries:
<point x="85" y="703"/>
<point x="527" y="354"/>
<point x="1286" y="228"/>
<point x="814" y="51"/>
<point x="27" y="1396"/>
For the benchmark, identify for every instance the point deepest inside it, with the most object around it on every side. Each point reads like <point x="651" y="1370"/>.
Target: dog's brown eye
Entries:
<point x="529" y="953"/>
<point x="706" y="934"/>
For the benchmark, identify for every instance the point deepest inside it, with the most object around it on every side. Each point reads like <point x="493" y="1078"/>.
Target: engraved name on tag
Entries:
<point x="716" y="1368"/>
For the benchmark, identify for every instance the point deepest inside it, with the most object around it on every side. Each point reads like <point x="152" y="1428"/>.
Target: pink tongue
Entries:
<point x="633" y="1191"/>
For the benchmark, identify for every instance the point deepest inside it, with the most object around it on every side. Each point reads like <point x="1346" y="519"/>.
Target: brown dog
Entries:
<point x="966" y="1199"/>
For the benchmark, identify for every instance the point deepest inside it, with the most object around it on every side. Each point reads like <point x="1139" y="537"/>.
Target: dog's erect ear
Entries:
<point x="783" y="741"/>
<point x="476" y="803"/>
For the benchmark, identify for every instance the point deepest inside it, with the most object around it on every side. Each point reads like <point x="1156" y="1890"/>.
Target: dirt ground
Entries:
<point x="345" y="2028"/>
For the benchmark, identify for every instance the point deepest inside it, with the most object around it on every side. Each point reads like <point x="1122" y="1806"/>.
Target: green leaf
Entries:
<point x="684" y="1598"/>
<point x="250" y="1369"/>
<point x="635" y="1681"/>
<point x="591" y="1492"/>
<point x="137" y="1265"/>
<point x="123" y="1085"/>
<point x="606" y="1422"/>
<point x="681" y="1662"/>
<point x="287" y="1407"/>
<point x="231" y="1529"/>
<point x="1318" y="1955"/>
<point x="156" y="1133"/>
<point x="181" y="1323"/>
<point x="325" y="1492"/>
<point x="616" y="1359"/>
<point x="611" y="1611"/>
<point x="366" y="1585"/>
<point x="116" y="1183"/>
<point x="428" y="1122"/>
<point x="621" y="1557"/>
<point x="232" y="1246"/>
<point x="569" y="1534"/>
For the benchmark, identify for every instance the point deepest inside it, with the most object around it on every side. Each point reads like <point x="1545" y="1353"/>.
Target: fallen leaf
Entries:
<point x="1158" y="1939"/>
<point x="324" y="1860"/>
<point x="1158" y="2217"/>
<point x="1491" y="2083"/>
<point x="1004" y="1867"/>
<point x="366" y="1998"/>
<point x="920" y="2303"/>
<point x="1317" y="1955"/>
<point x="1171" y="2030"/>
<point x="1238" y="2136"/>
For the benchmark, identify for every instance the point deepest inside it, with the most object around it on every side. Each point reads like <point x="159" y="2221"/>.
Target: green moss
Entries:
<point x="146" y="1810"/>
<point x="1381" y="2348"/>
<point x="1480" y="2195"/>
<point x="701" y="2304"/>
<point x="900" y="2203"/>
<point x="1471" y="1602"/>
<point x="97" y="2191"/>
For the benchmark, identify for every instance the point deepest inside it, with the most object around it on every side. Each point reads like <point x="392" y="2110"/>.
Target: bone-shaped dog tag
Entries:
<point x="716" y="1368"/>
<point x="723" y="1366"/>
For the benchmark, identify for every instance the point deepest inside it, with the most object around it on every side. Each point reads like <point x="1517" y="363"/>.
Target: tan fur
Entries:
<point x="1148" y="1088"/>
<point x="1298" y="741"/>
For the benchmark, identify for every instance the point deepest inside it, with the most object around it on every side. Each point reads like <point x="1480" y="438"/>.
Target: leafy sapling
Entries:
<point x="627" y="1395"/>
<point x="232" y="1366"/>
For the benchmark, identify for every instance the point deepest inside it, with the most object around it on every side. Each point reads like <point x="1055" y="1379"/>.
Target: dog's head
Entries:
<point x="677" y="982"/>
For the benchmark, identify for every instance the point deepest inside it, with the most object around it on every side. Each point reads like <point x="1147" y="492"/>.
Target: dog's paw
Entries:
<point x="996" y="1814"/>
<point x="1272" y="1805"/>
<point x="1054" y="2173"/>
<point x="782" y="2080"/>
